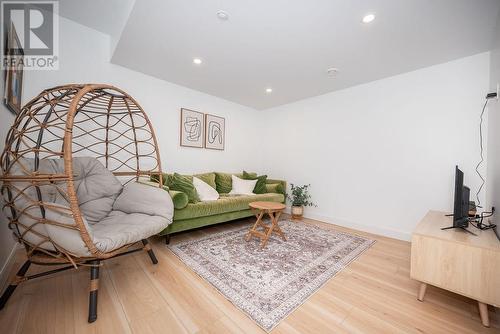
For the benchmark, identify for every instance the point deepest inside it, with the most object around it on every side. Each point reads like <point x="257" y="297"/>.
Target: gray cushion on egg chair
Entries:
<point x="70" y="168"/>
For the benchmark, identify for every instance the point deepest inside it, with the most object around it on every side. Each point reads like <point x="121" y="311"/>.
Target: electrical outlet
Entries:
<point x="494" y="95"/>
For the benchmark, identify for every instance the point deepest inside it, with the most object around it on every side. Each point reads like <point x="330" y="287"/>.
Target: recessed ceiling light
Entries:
<point x="222" y="15"/>
<point x="368" y="18"/>
<point x="269" y="90"/>
<point x="332" y="71"/>
<point x="197" y="61"/>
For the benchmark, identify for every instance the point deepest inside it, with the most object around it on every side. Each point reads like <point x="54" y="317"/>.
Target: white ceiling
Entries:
<point x="288" y="45"/>
<point x="106" y="16"/>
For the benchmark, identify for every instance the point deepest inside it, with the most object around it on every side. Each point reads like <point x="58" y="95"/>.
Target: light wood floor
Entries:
<point x="373" y="295"/>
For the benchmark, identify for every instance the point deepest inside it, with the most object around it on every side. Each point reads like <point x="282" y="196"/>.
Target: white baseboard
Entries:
<point x="386" y="232"/>
<point x="4" y="273"/>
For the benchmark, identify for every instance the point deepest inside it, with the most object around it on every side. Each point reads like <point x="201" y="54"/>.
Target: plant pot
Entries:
<point x="297" y="212"/>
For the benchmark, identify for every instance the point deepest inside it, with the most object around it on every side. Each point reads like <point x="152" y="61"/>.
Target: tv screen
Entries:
<point x="461" y="201"/>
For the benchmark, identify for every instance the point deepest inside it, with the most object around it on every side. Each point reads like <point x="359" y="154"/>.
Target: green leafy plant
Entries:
<point x="300" y="195"/>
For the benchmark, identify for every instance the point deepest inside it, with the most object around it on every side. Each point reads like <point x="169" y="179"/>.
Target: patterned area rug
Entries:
<point x="269" y="284"/>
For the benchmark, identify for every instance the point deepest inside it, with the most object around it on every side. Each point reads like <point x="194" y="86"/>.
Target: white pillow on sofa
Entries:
<point x="204" y="190"/>
<point x="242" y="187"/>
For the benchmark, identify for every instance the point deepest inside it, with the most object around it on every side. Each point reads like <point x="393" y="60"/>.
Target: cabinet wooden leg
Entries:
<point x="421" y="291"/>
<point x="483" y="312"/>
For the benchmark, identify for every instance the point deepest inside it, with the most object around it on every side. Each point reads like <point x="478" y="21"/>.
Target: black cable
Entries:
<point x="477" y="221"/>
<point x="482" y="156"/>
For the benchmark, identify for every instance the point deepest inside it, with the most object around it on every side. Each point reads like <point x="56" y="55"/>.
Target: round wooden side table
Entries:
<point x="274" y="211"/>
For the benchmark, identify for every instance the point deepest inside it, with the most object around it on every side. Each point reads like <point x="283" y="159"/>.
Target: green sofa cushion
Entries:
<point x="252" y="174"/>
<point x="179" y="199"/>
<point x="280" y="189"/>
<point x="223" y="182"/>
<point x="224" y="204"/>
<point x="167" y="179"/>
<point x="205" y="177"/>
<point x="260" y="186"/>
<point x="154" y="178"/>
<point x="184" y="184"/>
<point x="275" y="188"/>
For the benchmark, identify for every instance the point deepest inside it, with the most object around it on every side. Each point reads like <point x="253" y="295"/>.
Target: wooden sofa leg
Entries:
<point x="167" y="239"/>
<point x="13" y="285"/>
<point x="147" y="248"/>
<point x="94" y="287"/>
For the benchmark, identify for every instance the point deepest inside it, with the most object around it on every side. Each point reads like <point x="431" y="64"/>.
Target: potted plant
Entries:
<point x="300" y="198"/>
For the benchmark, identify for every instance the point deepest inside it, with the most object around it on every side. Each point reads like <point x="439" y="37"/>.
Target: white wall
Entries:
<point x="84" y="55"/>
<point x="6" y="239"/>
<point x="493" y="180"/>
<point x="379" y="155"/>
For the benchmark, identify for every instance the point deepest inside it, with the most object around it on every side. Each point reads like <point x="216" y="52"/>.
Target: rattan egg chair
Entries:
<point x="58" y="128"/>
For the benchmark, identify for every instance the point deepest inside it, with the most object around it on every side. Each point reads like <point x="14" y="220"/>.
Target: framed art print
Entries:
<point x="192" y="128"/>
<point x="215" y="133"/>
<point x="14" y="75"/>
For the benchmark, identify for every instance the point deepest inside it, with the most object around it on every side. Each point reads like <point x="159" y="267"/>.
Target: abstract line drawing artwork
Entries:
<point x="192" y="128"/>
<point x="215" y="132"/>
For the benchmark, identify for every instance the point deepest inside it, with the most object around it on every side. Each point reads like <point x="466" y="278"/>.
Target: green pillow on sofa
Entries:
<point x="154" y="178"/>
<point x="223" y="182"/>
<point x="179" y="199"/>
<point x="166" y="178"/>
<point x="276" y="188"/>
<point x="184" y="184"/>
<point x="260" y="186"/>
<point x="205" y="177"/>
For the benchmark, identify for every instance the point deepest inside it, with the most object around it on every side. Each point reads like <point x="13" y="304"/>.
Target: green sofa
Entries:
<point x="188" y="216"/>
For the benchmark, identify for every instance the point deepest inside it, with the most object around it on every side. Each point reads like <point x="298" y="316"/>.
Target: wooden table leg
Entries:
<point x="264" y="242"/>
<point x="276" y="227"/>
<point x="254" y="227"/>
<point x="483" y="312"/>
<point x="421" y="291"/>
<point x="274" y="215"/>
<point x="268" y="230"/>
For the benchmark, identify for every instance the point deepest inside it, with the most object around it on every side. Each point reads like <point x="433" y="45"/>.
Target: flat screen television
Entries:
<point x="461" y="201"/>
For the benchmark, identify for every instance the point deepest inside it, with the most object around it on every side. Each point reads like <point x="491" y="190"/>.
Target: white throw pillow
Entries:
<point x="204" y="190"/>
<point x="242" y="187"/>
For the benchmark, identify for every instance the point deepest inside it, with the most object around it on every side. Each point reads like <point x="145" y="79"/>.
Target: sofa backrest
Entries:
<point x="209" y="178"/>
<point x="223" y="183"/>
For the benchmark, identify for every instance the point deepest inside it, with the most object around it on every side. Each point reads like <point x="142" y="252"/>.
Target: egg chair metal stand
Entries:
<point x="60" y="124"/>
